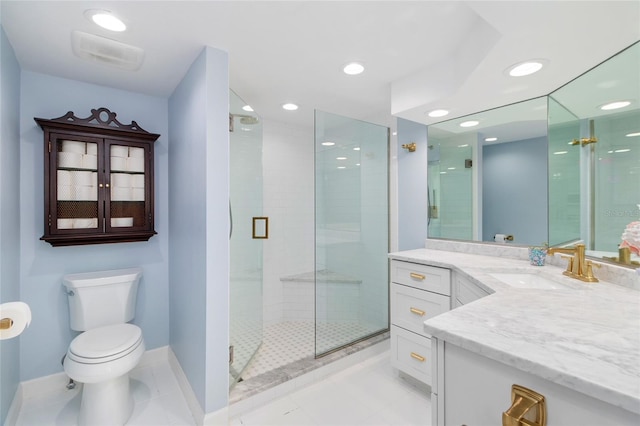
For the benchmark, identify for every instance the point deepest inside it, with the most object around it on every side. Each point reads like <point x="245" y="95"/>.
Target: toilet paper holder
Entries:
<point x="6" y="323"/>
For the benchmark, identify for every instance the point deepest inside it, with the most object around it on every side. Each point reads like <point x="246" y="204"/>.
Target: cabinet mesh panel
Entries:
<point x="127" y="213"/>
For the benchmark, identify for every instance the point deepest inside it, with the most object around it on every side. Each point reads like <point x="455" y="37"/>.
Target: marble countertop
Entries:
<point x="585" y="336"/>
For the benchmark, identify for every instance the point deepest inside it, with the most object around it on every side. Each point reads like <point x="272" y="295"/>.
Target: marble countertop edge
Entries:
<point x="625" y="400"/>
<point x="596" y="354"/>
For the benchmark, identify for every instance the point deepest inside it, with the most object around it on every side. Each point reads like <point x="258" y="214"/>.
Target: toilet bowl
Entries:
<point x="101" y="359"/>
<point x="101" y="304"/>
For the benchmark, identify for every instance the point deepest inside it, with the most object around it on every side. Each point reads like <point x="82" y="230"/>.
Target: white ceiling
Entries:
<point x="419" y="55"/>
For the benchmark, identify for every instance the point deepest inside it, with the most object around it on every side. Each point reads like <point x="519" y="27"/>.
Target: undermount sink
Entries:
<point x="528" y="280"/>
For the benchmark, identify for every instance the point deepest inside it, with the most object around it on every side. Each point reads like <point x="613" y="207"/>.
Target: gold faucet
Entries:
<point x="578" y="267"/>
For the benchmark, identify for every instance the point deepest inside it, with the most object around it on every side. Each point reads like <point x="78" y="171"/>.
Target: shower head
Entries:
<point x="249" y="120"/>
<point x="246" y="119"/>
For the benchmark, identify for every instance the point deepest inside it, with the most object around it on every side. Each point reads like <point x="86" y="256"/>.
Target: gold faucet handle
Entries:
<point x="569" y="263"/>
<point x="588" y="276"/>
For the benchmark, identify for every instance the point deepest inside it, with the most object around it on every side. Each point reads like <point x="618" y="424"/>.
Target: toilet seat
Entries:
<point x="105" y="344"/>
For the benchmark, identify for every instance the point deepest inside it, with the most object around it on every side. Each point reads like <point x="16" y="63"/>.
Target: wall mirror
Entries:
<point x="594" y="159"/>
<point x="563" y="168"/>
<point x="487" y="175"/>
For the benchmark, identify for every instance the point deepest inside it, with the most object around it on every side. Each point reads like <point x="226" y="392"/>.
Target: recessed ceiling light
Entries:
<point x="328" y="143"/>
<point x="443" y="173"/>
<point x="622" y="150"/>
<point x="438" y="113"/>
<point x="341" y="158"/>
<point x="106" y="20"/>
<point x="247" y="108"/>
<point x="341" y="167"/>
<point x="451" y="168"/>
<point x="469" y="123"/>
<point x="632" y="135"/>
<point x="357" y="148"/>
<point x="357" y="164"/>
<point x="615" y="105"/>
<point x="290" y="107"/>
<point x="525" y="68"/>
<point x="463" y="146"/>
<point x="490" y="139"/>
<point x="353" y="68"/>
<point x="560" y="152"/>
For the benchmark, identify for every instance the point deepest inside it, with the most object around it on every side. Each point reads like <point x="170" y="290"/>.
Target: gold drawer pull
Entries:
<point x="527" y="408"/>
<point x="417" y="311"/>
<point x="418" y="357"/>
<point x="417" y="276"/>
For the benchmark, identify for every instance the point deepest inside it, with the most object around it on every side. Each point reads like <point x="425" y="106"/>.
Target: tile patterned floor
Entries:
<point x="287" y="342"/>
<point x="370" y="393"/>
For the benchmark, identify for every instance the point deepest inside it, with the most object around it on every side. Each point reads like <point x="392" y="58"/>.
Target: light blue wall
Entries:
<point x="510" y="170"/>
<point x="41" y="265"/>
<point x="199" y="256"/>
<point x="412" y="185"/>
<point x="9" y="213"/>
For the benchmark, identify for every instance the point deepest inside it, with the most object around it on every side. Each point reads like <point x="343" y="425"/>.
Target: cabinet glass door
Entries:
<point x="126" y="186"/>
<point x="76" y="185"/>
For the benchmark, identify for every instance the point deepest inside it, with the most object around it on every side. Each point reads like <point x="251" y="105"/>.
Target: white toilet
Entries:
<point x="100" y="305"/>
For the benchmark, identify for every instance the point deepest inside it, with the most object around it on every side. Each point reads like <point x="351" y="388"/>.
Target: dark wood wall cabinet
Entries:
<point x="98" y="180"/>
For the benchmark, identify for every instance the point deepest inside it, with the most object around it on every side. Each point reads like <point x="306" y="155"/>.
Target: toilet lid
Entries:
<point x="112" y="341"/>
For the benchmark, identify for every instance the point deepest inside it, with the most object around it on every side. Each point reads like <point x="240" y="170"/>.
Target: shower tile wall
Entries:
<point x="288" y="163"/>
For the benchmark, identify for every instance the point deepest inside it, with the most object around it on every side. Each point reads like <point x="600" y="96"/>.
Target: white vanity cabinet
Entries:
<point x="418" y="292"/>
<point x="478" y="391"/>
<point x="465" y="291"/>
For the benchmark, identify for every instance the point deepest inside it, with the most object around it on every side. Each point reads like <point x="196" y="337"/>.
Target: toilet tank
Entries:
<point x="101" y="298"/>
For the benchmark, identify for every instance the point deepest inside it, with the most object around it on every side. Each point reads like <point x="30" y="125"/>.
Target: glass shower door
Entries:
<point x="245" y="204"/>
<point x="352" y="231"/>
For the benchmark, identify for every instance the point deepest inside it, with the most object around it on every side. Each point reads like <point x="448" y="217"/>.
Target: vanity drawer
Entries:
<point x="411" y="307"/>
<point x="467" y="292"/>
<point x="411" y="354"/>
<point x="422" y="277"/>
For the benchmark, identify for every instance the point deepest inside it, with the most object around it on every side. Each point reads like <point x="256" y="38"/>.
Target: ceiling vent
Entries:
<point x="99" y="49"/>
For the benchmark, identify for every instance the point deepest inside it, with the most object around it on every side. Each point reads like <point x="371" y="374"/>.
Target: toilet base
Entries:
<point x="107" y="403"/>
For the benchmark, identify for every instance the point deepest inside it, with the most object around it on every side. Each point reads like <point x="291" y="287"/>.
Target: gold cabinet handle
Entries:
<point x="418" y="357"/>
<point x="417" y="276"/>
<point x="528" y="408"/>
<point x="417" y="311"/>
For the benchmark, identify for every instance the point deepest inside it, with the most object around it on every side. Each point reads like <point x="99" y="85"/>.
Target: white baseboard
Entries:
<point x="192" y="401"/>
<point x="14" y="408"/>
<point x="217" y="418"/>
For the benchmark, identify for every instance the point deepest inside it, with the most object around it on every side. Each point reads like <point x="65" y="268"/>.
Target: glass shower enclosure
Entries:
<point x="351" y="231"/>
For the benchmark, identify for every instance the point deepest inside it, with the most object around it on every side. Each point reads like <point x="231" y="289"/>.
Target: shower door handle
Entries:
<point x="260" y="228"/>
